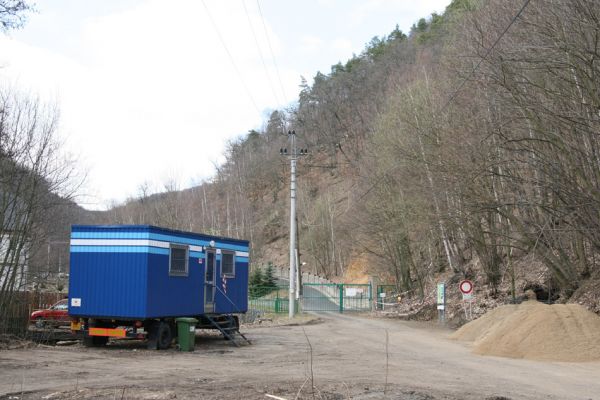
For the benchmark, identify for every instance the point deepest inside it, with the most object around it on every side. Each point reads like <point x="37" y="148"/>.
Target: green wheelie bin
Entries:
<point x="186" y="333"/>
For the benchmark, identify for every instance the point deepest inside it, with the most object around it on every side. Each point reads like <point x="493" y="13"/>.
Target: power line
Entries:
<point x="260" y="53"/>
<point x="239" y="74"/>
<point x="271" y="50"/>
<point x="484" y="57"/>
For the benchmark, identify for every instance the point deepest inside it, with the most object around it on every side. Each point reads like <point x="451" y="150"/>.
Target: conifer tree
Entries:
<point x="270" y="281"/>
<point x="256" y="283"/>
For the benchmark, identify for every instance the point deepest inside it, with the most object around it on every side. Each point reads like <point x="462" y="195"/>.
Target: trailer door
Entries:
<point x="209" y="282"/>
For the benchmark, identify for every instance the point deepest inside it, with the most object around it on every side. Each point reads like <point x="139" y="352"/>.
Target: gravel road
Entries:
<point x="349" y="360"/>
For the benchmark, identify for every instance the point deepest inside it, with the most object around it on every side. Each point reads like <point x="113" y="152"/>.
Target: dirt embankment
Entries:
<point x="533" y="330"/>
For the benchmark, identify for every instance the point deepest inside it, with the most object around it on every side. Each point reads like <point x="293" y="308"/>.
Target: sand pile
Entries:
<point x="533" y="330"/>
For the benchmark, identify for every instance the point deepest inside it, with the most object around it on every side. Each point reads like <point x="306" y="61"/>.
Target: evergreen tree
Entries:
<point x="256" y="283"/>
<point x="269" y="279"/>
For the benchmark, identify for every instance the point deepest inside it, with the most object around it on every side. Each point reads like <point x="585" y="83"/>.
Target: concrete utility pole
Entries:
<point x="293" y="154"/>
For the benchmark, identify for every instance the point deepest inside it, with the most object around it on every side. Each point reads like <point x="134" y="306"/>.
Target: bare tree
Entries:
<point x="33" y="172"/>
<point x="12" y="13"/>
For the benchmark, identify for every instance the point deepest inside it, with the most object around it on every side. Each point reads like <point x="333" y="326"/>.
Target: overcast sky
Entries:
<point x="148" y="91"/>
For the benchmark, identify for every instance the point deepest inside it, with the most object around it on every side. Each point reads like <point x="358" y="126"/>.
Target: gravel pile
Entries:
<point x="537" y="331"/>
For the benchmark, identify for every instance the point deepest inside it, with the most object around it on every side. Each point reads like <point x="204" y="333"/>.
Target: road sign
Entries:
<point x="466" y="287"/>
<point x="441" y="296"/>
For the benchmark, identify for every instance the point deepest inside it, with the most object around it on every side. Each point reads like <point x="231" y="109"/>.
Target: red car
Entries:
<point x="58" y="314"/>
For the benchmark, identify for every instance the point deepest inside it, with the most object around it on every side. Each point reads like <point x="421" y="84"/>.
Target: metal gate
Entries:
<point x="384" y="294"/>
<point x="338" y="297"/>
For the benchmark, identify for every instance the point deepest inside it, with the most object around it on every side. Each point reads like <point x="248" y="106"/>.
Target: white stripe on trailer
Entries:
<point x="140" y="242"/>
<point x="127" y="242"/>
<point x="119" y="242"/>
<point x="156" y="243"/>
<point x="241" y="253"/>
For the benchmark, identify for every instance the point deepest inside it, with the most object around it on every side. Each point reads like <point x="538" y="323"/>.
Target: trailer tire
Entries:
<point x="152" y="328"/>
<point x="164" y="336"/>
<point x="95" y="341"/>
<point x="101" y="341"/>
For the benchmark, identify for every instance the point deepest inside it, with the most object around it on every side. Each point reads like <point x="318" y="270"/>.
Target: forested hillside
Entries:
<point x="469" y="144"/>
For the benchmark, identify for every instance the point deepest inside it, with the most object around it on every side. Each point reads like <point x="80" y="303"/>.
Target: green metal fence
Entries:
<point x="336" y="297"/>
<point x="339" y="297"/>
<point x="269" y="299"/>
<point x="384" y="293"/>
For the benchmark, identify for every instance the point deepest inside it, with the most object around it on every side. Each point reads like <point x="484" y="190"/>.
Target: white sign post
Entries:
<point x="441" y="301"/>
<point x="466" y="288"/>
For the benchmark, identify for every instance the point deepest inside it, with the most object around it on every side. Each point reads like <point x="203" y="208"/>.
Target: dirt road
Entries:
<point x="348" y="361"/>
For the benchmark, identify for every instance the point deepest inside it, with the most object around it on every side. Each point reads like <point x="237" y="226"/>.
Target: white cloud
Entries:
<point x="342" y="45"/>
<point x="407" y="12"/>
<point x="310" y="44"/>
<point x="326" y="3"/>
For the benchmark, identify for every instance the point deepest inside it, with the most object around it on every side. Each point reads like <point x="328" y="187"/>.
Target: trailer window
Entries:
<point x="227" y="264"/>
<point x="178" y="260"/>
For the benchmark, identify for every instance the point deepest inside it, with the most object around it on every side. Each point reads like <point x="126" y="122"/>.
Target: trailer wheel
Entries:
<point x="95" y="341"/>
<point x="100" y="341"/>
<point x="152" y="334"/>
<point x="164" y="336"/>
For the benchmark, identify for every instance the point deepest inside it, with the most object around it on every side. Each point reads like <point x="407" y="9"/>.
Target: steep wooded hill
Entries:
<point x="462" y="146"/>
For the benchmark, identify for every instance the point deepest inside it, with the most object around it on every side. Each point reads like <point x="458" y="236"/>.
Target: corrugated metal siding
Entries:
<point x="113" y="232"/>
<point x="155" y="233"/>
<point x="174" y="295"/>
<point x="123" y="271"/>
<point x="237" y="290"/>
<point x="108" y="284"/>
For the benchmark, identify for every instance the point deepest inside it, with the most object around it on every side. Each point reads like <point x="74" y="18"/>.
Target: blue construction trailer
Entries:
<point x="135" y="280"/>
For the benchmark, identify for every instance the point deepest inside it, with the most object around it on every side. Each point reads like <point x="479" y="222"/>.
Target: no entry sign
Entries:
<point x="466" y="288"/>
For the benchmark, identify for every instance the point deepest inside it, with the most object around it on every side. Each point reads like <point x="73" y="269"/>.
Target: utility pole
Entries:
<point x="293" y="155"/>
